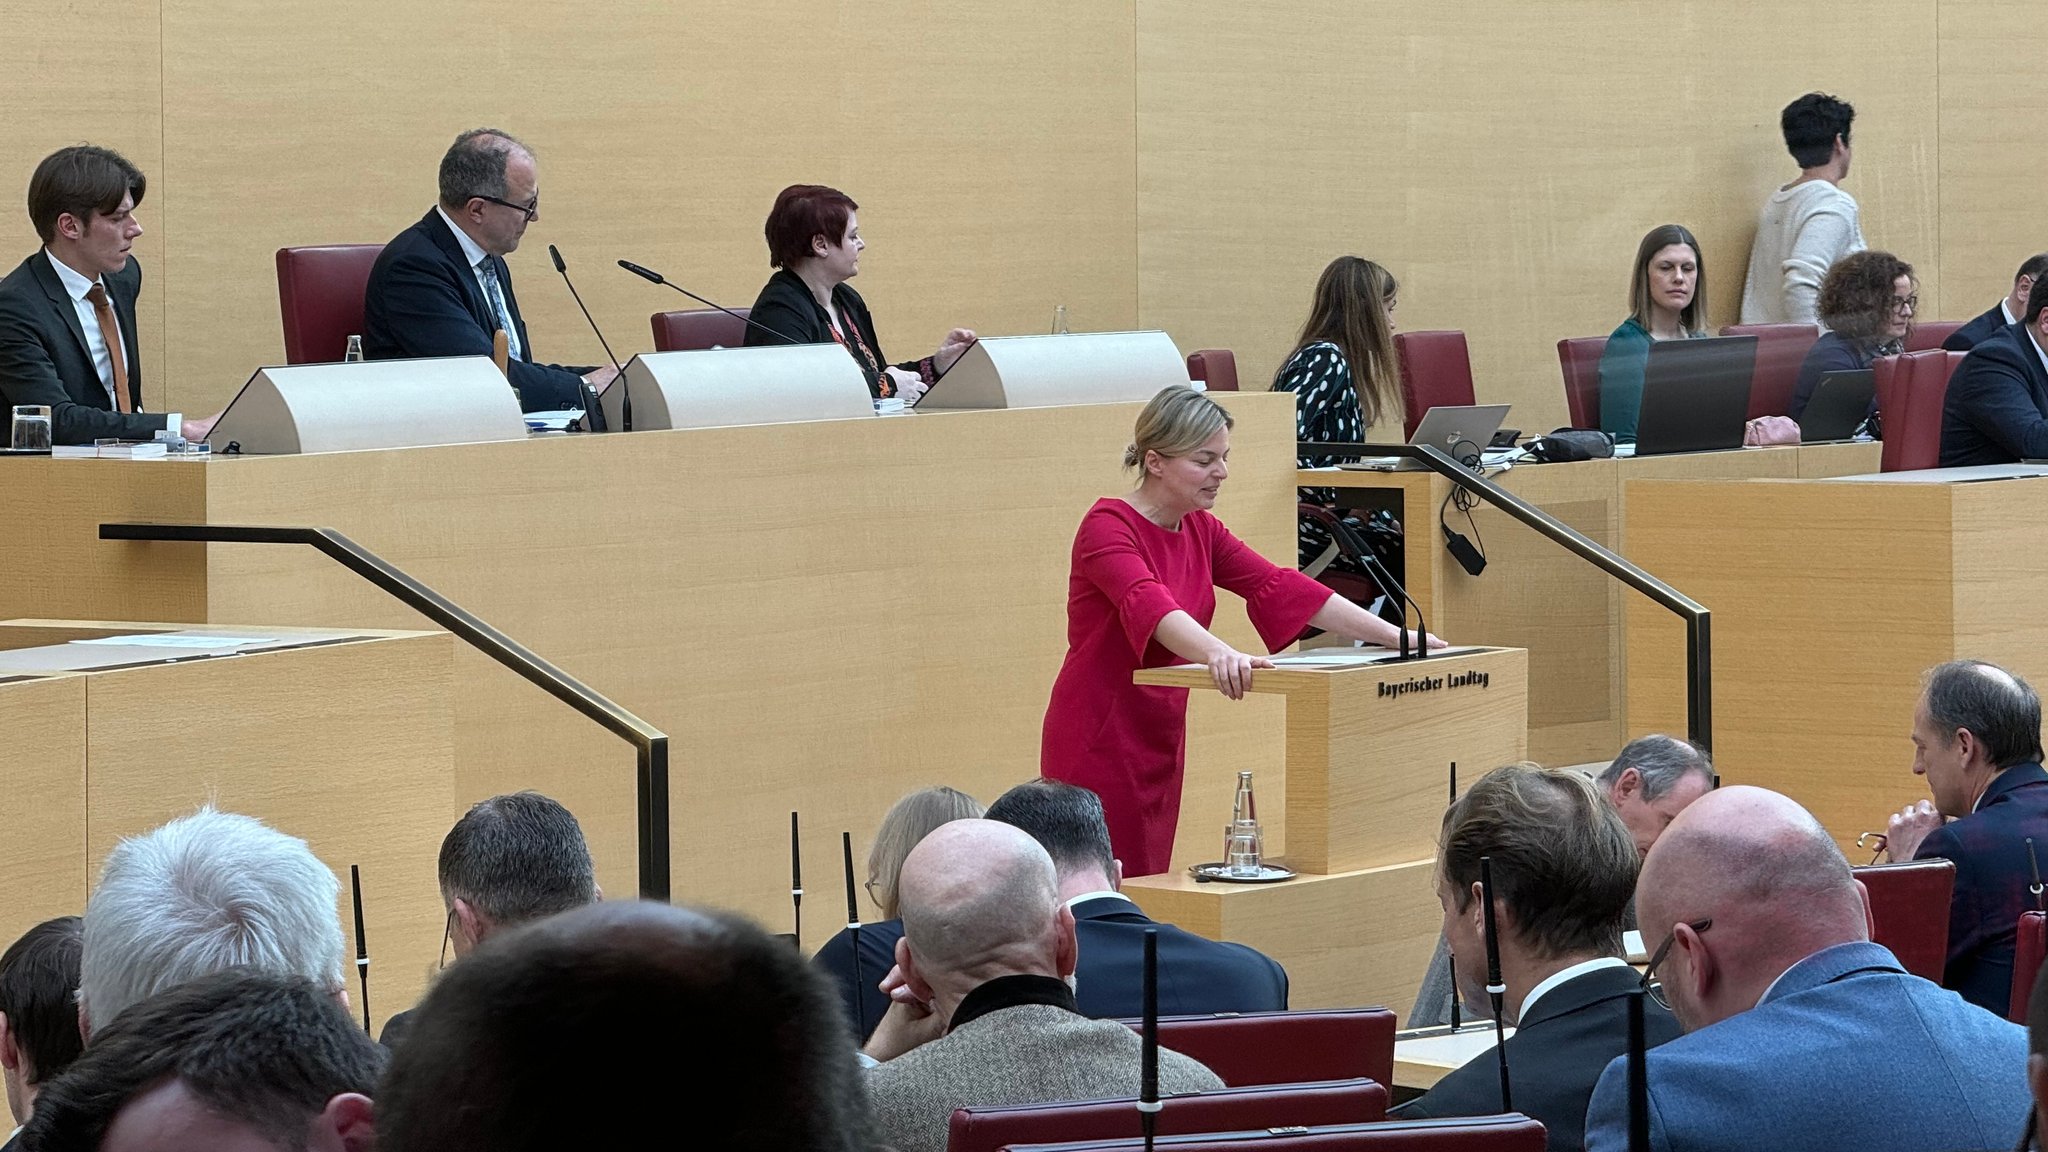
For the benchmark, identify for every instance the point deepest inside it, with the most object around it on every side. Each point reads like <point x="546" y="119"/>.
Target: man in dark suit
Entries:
<point x="38" y="1011"/>
<point x="1564" y="869"/>
<point x="2003" y="314"/>
<point x="1977" y="739"/>
<point x="1196" y="975"/>
<point x="1996" y="410"/>
<point x="67" y="313"/>
<point x="441" y="287"/>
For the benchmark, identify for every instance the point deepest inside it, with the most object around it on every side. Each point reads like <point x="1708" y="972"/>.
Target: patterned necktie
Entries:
<point x="110" y="335"/>
<point x="495" y="295"/>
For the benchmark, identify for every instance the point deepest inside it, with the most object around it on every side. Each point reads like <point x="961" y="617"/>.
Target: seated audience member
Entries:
<point x="38" y="1012"/>
<point x="1667" y="301"/>
<point x="627" y="1024"/>
<point x="1867" y="302"/>
<point x="1800" y="1033"/>
<point x="984" y="1015"/>
<point x="230" y="1061"/>
<point x="908" y="821"/>
<point x="1346" y="375"/>
<point x="206" y="892"/>
<point x="1649" y="783"/>
<point x="510" y="860"/>
<point x="1807" y="225"/>
<point x="1996" y="410"/>
<point x="1564" y="871"/>
<point x="1977" y="740"/>
<point x="68" y="336"/>
<point x="442" y="287"/>
<point x="1196" y="975"/>
<point x="2005" y="313"/>
<point x="814" y="241"/>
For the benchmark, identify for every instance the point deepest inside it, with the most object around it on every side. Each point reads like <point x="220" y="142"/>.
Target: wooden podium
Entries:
<point x="1370" y="741"/>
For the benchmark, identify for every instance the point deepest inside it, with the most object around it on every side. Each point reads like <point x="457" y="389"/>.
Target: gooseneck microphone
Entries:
<point x="1496" y="990"/>
<point x="654" y="277"/>
<point x="796" y="883"/>
<point x="1149" y="1105"/>
<point x="1370" y="560"/>
<point x="1638" y="1076"/>
<point x="355" y="884"/>
<point x="860" y="1015"/>
<point x="1457" y="1012"/>
<point x="594" y="418"/>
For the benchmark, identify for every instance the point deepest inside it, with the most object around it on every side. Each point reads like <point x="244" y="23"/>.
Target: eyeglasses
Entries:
<point x="1650" y="985"/>
<point x="532" y="208"/>
<point x="1905" y="303"/>
<point x="447" y="931"/>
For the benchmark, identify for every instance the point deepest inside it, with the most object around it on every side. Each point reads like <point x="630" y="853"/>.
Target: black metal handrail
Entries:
<point x="1699" y="710"/>
<point x="649" y="742"/>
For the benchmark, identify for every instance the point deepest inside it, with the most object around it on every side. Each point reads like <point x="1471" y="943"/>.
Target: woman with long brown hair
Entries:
<point x="1667" y="300"/>
<point x="1344" y="370"/>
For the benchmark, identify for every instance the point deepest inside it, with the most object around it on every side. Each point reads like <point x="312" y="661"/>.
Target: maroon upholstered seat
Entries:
<point x="1216" y="368"/>
<point x="1780" y="350"/>
<point x="698" y="328"/>
<point x="2028" y="951"/>
<point x="320" y="297"/>
<point x="1287" y="1047"/>
<point x="1925" y="337"/>
<point x="1910" y="392"/>
<point x="1436" y="372"/>
<point x="1580" y="359"/>
<point x="1510" y="1133"/>
<point x="1230" y="1110"/>
<point x="1909" y="911"/>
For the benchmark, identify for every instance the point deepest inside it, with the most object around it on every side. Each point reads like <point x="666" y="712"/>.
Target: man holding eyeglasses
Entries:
<point x="441" y="288"/>
<point x="1800" y="1032"/>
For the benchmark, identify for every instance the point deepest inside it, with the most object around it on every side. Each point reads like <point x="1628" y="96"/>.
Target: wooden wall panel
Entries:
<point x="1990" y="53"/>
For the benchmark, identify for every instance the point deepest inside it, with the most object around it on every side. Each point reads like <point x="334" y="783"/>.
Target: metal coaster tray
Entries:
<point x="1218" y="872"/>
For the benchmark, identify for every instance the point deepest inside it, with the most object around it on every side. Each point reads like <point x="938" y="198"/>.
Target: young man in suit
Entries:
<point x="1196" y="975"/>
<point x="1996" y="408"/>
<point x="1977" y="740"/>
<point x="1800" y="1033"/>
<point x="67" y="313"/>
<point x="2003" y="314"/>
<point x="442" y="287"/>
<point x="1564" y="868"/>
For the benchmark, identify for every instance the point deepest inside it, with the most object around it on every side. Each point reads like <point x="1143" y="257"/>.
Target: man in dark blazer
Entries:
<point x="2005" y="313"/>
<point x="442" y="288"/>
<point x="67" y="313"/>
<point x="1977" y="740"/>
<point x="1196" y="975"/>
<point x="1996" y="409"/>
<point x="1564" y="869"/>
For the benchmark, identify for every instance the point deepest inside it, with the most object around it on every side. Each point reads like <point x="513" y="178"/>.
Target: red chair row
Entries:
<point x="1510" y="1133"/>
<point x="1231" y="1110"/>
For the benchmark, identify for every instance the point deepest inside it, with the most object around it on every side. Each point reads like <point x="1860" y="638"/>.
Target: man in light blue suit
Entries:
<point x="1800" y="1033"/>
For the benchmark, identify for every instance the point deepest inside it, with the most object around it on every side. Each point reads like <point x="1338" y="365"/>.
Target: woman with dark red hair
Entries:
<point x="814" y="242"/>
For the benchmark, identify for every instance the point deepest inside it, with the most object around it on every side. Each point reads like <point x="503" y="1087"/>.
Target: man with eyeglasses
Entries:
<point x="1564" y="868"/>
<point x="1996" y="409"/>
<point x="442" y="287"/>
<point x="1800" y="1032"/>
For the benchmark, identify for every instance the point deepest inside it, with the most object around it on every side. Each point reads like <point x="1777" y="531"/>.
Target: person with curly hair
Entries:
<point x="1867" y="302"/>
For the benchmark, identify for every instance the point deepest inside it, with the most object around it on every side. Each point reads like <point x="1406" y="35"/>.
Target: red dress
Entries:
<point x="1124" y="741"/>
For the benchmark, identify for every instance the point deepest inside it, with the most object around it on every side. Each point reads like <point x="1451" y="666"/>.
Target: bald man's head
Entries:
<point x="980" y="899"/>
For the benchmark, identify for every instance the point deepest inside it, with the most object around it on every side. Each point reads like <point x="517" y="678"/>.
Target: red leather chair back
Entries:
<point x="1580" y="359"/>
<point x="1231" y="1110"/>
<point x="1910" y="392"/>
<point x="1924" y="337"/>
<point x="320" y="296"/>
<point x="697" y="329"/>
<point x="1909" y="911"/>
<point x="1286" y="1047"/>
<point x="1780" y="350"/>
<point x="1216" y="368"/>
<point x="2028" y="952"/>
<point x="1513" y="1132"/>
<point x="1436" y="372"/>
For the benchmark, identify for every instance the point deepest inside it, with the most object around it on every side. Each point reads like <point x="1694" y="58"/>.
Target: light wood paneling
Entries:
<point x="56" y="566"/>
<point x="42" y="824"/>
<point x="1990" y="53"/>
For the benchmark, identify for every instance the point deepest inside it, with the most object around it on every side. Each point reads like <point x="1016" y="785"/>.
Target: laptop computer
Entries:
<point x="1695" y="395"/>
<point x="1460" y="432"/>
<point x="1838" y="406"/>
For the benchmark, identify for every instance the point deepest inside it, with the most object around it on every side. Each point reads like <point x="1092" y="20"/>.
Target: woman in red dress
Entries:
<point x="1142" y="593"/>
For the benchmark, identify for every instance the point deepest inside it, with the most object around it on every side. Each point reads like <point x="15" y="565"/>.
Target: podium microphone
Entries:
<point x="860" y="1016"/>
<point x="593" y="417"/>
<point x="355" y="884"/>
<point x="1496" y="991"/>
<point x="652" y="276"/>
<point x="1370" y="560"/>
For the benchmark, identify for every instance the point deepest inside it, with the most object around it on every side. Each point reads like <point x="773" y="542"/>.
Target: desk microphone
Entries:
<point x="1370" y="561"/>
<point x="1149" y="1105"/>
<point x="860" y="1016"/>
<point x="594" y="418"/>
<point x="1457" y="1013"/>
<point x="796" y="882"/>
<point x="1496" y="989"/>
<point x="355" y="883"/>
<point x="1638" y="1076"/>
<point x="652" y="276"/>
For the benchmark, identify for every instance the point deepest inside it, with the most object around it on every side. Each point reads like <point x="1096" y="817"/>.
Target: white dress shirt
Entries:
<point x="1559" y="977"/>
<point x="76" y="285"/>
<point x="474" y="253"/>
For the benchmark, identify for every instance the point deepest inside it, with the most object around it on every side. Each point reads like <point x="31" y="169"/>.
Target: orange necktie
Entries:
<point x="110" y="335"/>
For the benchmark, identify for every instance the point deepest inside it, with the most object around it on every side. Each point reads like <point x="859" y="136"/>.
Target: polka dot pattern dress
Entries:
<point x="1327" y="411"/>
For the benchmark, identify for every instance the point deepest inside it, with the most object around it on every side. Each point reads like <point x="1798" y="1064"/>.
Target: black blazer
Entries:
<point x="44" y="358"/>
<point x="786" y="305"/>
<point x="1977" y="331"/>
<point x="422" y="300"/>
<point x="1555" y="1058"/>
<point x="1996" y="410"/>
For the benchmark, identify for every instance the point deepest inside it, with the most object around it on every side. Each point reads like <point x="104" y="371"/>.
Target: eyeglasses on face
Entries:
<point x="1656" y="990"/>
<point x="1907" y="304"/>
<point x="531" y="208"/>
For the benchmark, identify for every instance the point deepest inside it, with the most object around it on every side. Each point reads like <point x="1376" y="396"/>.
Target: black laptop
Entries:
<point x="1695" y="395"/>
<point x="1839" y="405"/>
